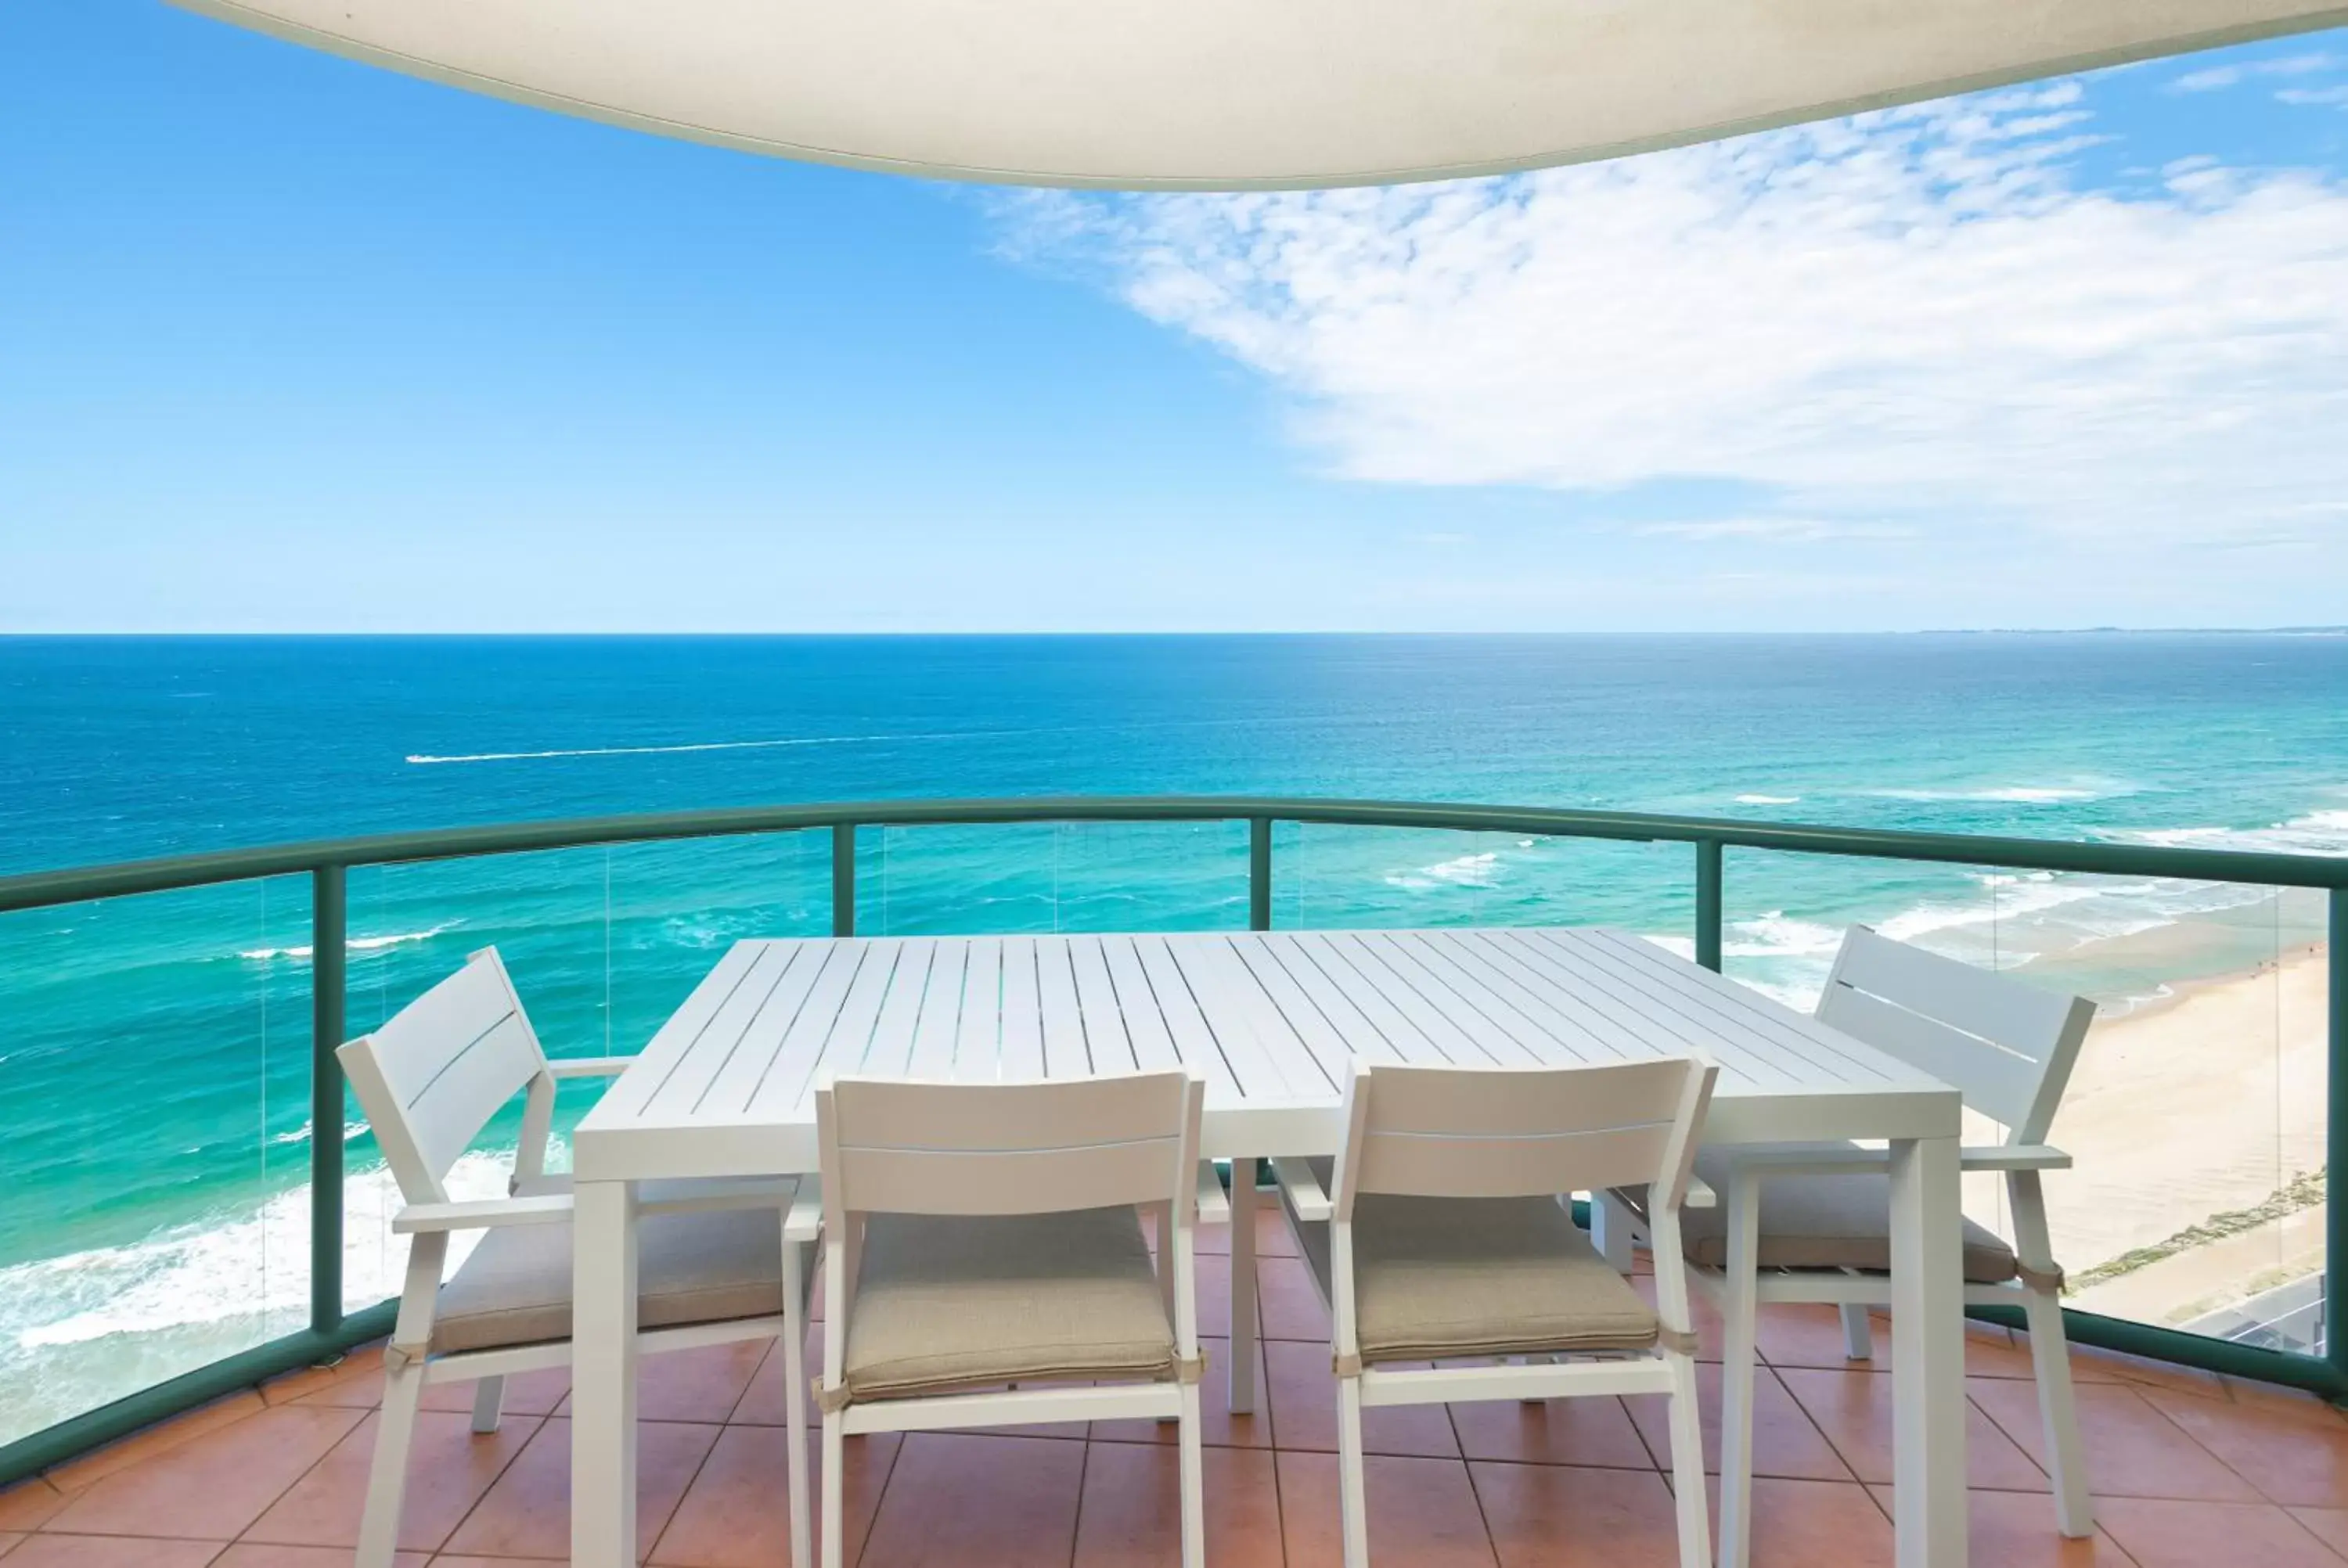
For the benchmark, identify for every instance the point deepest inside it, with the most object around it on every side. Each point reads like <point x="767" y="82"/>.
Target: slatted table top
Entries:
<point x="1268" y="1018"/>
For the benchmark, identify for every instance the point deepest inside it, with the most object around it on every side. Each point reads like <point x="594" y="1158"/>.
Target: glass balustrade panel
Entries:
<point x="1023" y="878"/>
<point x="154" y="1141"/>
<point x="2195" y="1109"/>
<point x="1339" y="877"/>
<point x="603" y="944"/>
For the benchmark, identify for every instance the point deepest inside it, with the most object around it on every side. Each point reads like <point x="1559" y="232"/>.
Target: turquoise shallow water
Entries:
<point x="153" y="1068"/>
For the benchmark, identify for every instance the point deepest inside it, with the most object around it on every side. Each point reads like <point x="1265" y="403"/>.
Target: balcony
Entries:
<point x="2205" y="1250"/>
<point x="2190" y="1467"/>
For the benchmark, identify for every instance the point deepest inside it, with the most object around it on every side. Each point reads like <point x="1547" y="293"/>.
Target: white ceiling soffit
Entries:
<point x="1237" y="93"/>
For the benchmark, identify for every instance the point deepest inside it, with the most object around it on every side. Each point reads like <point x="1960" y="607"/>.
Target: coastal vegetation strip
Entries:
<point x="2301" y="1192"/>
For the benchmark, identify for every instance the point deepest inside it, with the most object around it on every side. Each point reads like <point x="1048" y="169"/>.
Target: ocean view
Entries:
<point x="153" y="1070"/>
<point x="1069" y="602"/>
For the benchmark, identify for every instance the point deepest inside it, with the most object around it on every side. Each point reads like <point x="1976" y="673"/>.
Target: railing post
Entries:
<point x="1259" y="874"/>
<point x="843" y="879"/>
<point x="2335" y="1141"/>
<point x="329" y="931"/>
<point x="1707" y="903"/>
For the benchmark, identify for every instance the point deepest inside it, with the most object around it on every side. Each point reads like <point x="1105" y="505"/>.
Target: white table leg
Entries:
<point x="603" y="1376"/>
<point x="1615" y="1232"/>
<point x="1740" y="1316"/>
<point x="1928" y="1369"/>
<point x="1243" y="1179"/>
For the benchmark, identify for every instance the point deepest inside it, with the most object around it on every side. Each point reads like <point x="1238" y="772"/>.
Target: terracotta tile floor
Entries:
<point x="2187" y="1468"/>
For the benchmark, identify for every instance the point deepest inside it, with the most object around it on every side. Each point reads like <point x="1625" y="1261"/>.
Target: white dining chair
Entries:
<point x="714" y="1264"/>
<point x="985" y="1263"/>
<point x="1441" y="1233"/>
<point x="1812" y="1222"/>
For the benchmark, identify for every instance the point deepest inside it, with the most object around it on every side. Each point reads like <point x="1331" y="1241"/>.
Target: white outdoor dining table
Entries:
<point x="1269" y="1018"/>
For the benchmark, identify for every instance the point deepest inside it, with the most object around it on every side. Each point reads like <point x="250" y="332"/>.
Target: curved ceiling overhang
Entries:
<point x="1239" y="94"/>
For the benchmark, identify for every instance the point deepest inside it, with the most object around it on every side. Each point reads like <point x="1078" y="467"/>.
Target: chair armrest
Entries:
<point x="1214" y="1204"/>
<point x="804" y="1220"/>
<point x="553" y="1208"/>
<point x="1699" y="1195"/>
<point x="588" y="1066"/>
<point x="1302" y="1190"/>
<point x="2014" y="1157"/>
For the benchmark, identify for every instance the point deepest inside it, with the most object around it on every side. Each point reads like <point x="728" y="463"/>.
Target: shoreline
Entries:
<point x="2150" y="969"/>
<point x="2204" y="1101"/>
<point x="2177" y="994"/>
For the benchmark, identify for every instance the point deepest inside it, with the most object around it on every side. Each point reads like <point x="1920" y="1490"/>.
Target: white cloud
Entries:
<point x="1773" y="529"/>
<point x="2320" y="97"/>
<point x="2216" y="78"/>
<point x="1919" y="311"/>
<point x="2208" y="81"/>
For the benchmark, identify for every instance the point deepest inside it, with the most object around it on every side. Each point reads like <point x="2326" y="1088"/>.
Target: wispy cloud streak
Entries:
<point x="1925" y="311"/>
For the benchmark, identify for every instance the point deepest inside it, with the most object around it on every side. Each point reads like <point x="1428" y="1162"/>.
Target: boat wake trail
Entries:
<point x="423" y="759"/>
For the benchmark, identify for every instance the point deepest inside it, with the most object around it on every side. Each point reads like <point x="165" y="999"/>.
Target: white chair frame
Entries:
<point x="1002" y="1149"/>
<point x="428" y="1081"/>
<point x="1515" y="1132"/>
<point x="2008" y="1048"/>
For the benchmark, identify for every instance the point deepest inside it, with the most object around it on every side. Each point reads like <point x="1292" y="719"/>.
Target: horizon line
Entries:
<point x="739" y="635"/>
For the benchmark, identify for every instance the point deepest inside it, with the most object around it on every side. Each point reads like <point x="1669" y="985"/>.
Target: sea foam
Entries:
<point x="2014" y="794"/>
<point x="2316" y="833"/>
<point x="1461" y="871"/>
<point x="355" y="944"/>
<point x="234" y="1263"/>
<point x="86" y="1328"/>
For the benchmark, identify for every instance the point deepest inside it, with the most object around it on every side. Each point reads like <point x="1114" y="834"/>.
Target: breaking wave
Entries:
<point x="1462" y="871"/>
<point x="2317" y="833"/>
<point x="2014" y="794"/>
<point x="86" y="1328"/>
<point x="357" y="944"/>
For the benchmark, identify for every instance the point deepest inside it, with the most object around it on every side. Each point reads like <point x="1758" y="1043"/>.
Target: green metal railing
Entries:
<point x="327" y="863"/>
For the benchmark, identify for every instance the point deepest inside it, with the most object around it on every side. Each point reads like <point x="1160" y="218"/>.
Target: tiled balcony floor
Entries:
<point x="2187" y="1468"/>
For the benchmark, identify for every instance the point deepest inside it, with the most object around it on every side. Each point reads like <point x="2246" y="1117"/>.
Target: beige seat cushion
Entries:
<point x="947" y="1302"/>
<point x="515" y="1288"/>
<point x="1823" y="1222"/>
<point x="1440" y="1277"/>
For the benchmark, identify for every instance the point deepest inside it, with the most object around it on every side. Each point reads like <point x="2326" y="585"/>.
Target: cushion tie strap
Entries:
<point x="1191" y="1368"/>
<point x="1677" y="1341"/>
<point x="832" y="1398"/>
<point x="2046" y="1279"/>
<point x="396" y="1355"/>
<point x="1345" y="1365"/>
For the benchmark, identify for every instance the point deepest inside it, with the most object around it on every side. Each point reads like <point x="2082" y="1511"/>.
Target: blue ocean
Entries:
<point x="154" y="1061"/>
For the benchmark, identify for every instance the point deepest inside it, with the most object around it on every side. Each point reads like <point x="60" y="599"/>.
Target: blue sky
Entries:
<point x="291" y="344"/>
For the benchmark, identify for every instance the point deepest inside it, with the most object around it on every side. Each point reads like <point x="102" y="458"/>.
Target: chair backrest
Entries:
<point x="893" y="1147"/>
<point x="2004" y="1044"/>
<point x="1506" y="1132"/>
<point x="433" y="1075"/>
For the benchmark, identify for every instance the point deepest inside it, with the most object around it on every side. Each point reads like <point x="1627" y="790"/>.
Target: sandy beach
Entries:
<point x="2205" y="1103"/>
